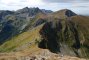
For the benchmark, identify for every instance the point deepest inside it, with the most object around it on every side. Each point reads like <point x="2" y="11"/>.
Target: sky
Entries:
<point x="78" y="6"/>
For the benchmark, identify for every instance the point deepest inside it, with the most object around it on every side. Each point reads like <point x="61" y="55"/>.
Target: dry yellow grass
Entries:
<point x="21" y="40"/>
<point x="36" y="52"/>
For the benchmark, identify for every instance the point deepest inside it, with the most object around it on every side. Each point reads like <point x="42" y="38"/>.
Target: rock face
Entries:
<point x="7" y="31"/>
<point x="63" y="14"/>
<point x="40" y="55"/>
<point x="64" y="36"/>
<point x="4" y="13"/>
<point x="61" y="32"/>
<point x="22" y="20"/>
<point x="31" y="11"/>
<point x="69" y="13"/>
<point x="25" y="12"/>
<point x="46" y="11"/>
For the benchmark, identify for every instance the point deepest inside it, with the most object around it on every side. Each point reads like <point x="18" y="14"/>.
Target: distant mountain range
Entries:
<point x="62" y="31"/>
<point x="17" y="20"/>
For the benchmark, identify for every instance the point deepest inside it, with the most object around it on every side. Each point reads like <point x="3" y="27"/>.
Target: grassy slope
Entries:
<point x="21" y="40"/>
<point x="74" y="33"/>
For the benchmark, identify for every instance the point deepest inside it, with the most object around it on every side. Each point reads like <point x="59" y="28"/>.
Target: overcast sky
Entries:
<point x="78" y="6"/>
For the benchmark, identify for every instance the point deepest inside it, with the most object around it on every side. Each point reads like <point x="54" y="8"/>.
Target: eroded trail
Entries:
<point x="35" y="54"/>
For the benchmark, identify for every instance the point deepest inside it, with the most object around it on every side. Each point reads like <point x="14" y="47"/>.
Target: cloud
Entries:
<point x="79" y="6"/>
<point x="17" y="4"/>
<point x="65" y="1"/>
<point x="69" y="3"/>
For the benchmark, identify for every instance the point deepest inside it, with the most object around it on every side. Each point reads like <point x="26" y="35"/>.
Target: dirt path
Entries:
<point x="35" y="54"/>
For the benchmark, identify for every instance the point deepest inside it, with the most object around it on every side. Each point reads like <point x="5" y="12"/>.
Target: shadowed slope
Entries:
<point x="69" y="37"/>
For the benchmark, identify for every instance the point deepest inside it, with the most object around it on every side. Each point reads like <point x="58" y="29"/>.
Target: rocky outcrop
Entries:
<point x="63" y="36"/>
<point x="61" y="32"/>
<point x="23" y="19"/>
<point x="63" y="14"/>
<point x="4" y="13"/>
<point x="41" y="55"/>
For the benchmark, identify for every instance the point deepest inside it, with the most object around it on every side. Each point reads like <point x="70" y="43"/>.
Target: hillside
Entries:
<point x="62" y="32"/>
<point x="22" y="41"/>
<point x="62" y="14"/>
<point x="16" y="22"/>
<point x="36" y="53"/>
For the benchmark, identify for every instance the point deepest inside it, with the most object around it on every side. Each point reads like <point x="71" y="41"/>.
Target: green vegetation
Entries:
<point x="70" y="33"/>
<point x="61" y="32"/>
<point x="22" y="39"/>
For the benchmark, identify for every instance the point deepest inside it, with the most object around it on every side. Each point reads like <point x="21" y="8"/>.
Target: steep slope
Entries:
<point x="26" y="12"/>
<point x="36" y="54"/>
<point x="22" y="41"/>
<point x="18" y="21"/>
<point x="69" y="37"/>
<point x="4" y="13"/>
<point x="62" y="14"/>
<point x="61" y="32"/>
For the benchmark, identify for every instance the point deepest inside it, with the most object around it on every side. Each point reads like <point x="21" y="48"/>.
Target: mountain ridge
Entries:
<point x="62" y="32"/>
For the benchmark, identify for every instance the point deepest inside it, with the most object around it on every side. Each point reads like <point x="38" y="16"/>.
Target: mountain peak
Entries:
<point x="67" y="12"/>
<point x="24" y="12"/>
<point x="62" y="14"/>
<point x="25" y="8"/>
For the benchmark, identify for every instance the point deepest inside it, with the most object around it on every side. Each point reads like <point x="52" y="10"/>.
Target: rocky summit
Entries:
<point x="28" y="32"/>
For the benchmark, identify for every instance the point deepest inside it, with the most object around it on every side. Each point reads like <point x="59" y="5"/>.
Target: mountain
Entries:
<point x="17" y="21"/>
<point x="25" y="12"/>
<point x="62" y="32"/>
<point x="62" y="14"/>
<point x="66" y="12"/>
<point x="32" y="11"/>
<point x="4" y="13"/>
<point x="46" y="11"/>
<point x="66" y="36"/>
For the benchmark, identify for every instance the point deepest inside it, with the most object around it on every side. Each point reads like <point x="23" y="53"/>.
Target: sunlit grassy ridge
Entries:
<point x="21" y="40"/>
<point x="72" y="32"/>
<point x="63" y="31"/>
